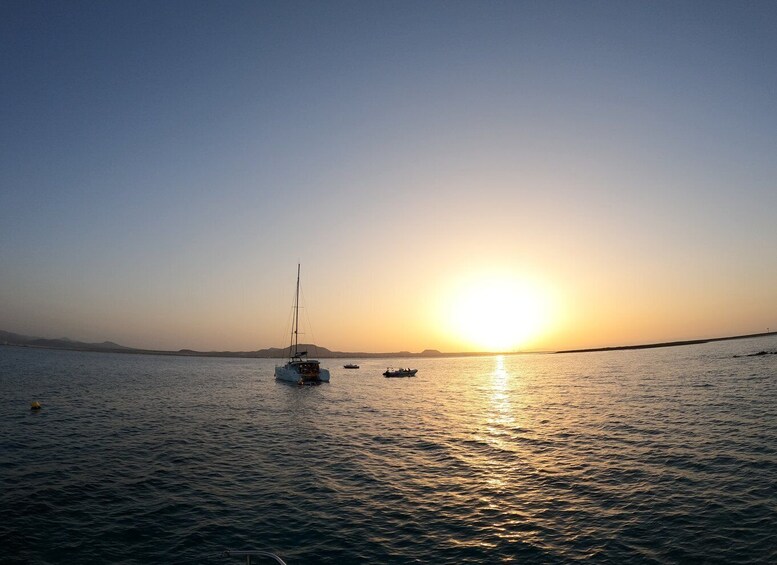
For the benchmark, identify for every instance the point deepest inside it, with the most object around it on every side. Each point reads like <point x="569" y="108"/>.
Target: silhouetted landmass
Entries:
<point x="759" y="354"/>
<point x="666" y="344"/>
<point x="8" y="338"/>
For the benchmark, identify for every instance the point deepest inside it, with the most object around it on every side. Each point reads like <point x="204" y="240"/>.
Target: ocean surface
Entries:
<point x="653" y="456"/>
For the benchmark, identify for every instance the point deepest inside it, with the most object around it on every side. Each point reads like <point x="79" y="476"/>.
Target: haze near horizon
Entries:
<point x="460" y="176"/>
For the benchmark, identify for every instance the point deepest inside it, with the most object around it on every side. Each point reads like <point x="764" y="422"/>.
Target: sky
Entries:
<point x="461" y="176"/>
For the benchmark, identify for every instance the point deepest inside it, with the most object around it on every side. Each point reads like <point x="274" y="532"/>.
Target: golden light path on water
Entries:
<point x="500" y="455"/>
<point x="515" y="449"/>
<point x="501" y="416"/>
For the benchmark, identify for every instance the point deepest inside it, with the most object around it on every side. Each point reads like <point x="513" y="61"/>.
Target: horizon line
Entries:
<point x="68" y="344"/>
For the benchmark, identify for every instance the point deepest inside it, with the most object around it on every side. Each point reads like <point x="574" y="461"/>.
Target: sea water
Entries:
<point x="653" y="456"/>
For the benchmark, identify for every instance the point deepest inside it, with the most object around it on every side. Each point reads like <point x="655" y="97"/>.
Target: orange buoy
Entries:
<point x="35" y="405"/>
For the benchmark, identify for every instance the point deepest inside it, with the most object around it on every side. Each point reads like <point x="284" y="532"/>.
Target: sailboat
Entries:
<point x="299" y="369"/>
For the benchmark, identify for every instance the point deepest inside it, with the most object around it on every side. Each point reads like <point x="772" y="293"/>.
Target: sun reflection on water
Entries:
<point x="500" y="419"/>
<point x="503" y="460"/>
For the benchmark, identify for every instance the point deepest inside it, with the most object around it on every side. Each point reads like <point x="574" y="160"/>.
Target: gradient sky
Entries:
<point x="165" y="165"/>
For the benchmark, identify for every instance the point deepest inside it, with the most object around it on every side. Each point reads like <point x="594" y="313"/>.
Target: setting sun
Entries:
<point x="497" y="313"/>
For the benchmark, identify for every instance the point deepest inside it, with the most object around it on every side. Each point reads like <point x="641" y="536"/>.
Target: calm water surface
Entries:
<point x="656" y="456"/>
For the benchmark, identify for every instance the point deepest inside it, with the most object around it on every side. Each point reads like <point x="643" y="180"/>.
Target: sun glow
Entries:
<point x="496" y="313"/>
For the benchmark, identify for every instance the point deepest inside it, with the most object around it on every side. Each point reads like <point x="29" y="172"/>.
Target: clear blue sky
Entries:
<point x="164" y="165"/>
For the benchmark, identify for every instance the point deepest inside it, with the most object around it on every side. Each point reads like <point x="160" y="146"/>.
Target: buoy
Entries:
<point x="35" y="405"/>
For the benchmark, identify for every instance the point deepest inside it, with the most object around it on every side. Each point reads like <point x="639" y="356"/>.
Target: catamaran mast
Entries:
<point x="296" y="317"/>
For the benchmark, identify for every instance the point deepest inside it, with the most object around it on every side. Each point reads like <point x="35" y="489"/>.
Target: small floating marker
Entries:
<point x="35" y="405"/>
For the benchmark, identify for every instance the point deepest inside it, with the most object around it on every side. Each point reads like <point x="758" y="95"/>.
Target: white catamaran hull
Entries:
<point x="292" y="376"/>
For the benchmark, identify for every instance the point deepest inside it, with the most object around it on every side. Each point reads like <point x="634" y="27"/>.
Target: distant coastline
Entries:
<point x="66" y="344"/>
<point x="665" y="344"/>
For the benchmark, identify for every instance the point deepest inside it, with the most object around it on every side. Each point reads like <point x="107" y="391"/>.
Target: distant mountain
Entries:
<point x="313" y="350"/>
<point x="9" y="338"/>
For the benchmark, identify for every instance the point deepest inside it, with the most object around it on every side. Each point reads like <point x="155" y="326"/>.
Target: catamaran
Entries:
<point x="299" y="369"/>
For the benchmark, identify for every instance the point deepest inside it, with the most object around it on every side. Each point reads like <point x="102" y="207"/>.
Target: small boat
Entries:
<point x="299" y="369"/>
<point x="350" y="366"/>
<point x="391" y="372"/>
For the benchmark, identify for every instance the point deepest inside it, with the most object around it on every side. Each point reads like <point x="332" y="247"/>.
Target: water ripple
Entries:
<point x="655" y="456"/>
